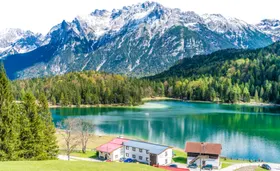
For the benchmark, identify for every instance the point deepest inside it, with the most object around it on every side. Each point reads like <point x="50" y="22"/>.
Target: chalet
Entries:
<point x="143" y="152"/>
<point x="112" y="150"/>
<point x="203" y="153"/>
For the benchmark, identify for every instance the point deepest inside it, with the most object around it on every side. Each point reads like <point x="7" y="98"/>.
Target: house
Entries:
<point x="203" y="153"/>
<point x="112" y="150"/>
<point x="143" y="152"/>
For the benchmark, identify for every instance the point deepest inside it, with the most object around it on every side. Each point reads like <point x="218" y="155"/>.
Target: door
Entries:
<point x="153" y="159"/>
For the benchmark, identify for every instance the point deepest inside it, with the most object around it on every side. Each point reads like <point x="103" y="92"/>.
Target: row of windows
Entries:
<point x="140" y="157"/>
<point x="134" y="149"/>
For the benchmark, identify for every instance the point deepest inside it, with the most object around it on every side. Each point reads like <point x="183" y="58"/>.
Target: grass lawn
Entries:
<point x="88" y="154"/>
<point x="180" y="156"/>
<point x="93" y="142"/>
<point x="260" y="169"/>
<point x="58" y="165"/>
<point x="224" y="165"/>
<point x="228" y="162"/>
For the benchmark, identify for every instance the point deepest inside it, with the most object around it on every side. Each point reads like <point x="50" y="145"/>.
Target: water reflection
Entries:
<point x="245" y="132"/>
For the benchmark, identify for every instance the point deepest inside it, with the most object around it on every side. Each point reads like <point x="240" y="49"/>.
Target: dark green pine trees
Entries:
<point x="49" y="144"/>
<point x="8" y="120"/>
<point x="26" y="128"/>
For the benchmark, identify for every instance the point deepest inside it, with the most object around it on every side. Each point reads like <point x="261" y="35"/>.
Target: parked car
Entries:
<point x="173" y="165"/>
<point x="192" y="166"/>
<point x="266" y="166"/>
<point x="129" y="160"/>
<point x="122" y="159"/>
<point x="207" y="167"/>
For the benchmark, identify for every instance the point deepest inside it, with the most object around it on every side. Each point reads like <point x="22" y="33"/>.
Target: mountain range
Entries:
<point x="138" y="40"/>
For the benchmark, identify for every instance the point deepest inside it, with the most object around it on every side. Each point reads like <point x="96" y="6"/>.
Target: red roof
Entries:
<point x="172" y="168"/>
<point x="119" y="141"/>
<point x="205" y="148"/>
<point x="112" y="145"/>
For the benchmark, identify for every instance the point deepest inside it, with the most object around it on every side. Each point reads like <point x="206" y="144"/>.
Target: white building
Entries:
<point x="203" y="153"/>
<point x="112" y="150"/>
<point x="149" y="153"/>
<point x="143" y="152"/>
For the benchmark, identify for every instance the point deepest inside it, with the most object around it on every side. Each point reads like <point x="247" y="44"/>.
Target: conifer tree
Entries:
<point x="26" y="137"/>
<point x="50" y="143"/>
<point x="36" y="127"/>
<point x="8" y="120"/>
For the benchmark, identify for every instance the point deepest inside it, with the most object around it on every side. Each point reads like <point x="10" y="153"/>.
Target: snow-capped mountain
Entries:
<point x="270" y="27"/>
<point x="14" y="41"/>
<point x="138" y="40"/>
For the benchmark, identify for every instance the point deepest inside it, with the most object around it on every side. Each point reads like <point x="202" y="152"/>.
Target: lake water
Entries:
<point x="245" y="132"/>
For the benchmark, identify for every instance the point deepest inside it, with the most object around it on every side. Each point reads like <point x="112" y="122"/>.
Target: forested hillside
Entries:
<point x="227" y="76"/>
<point x="90" y="88"/>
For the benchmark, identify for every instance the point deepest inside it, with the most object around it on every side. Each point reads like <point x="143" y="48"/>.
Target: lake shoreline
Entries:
<point x="144" y="100"/>
<point x="93" y="106"/>
<point x="258" y="104"/>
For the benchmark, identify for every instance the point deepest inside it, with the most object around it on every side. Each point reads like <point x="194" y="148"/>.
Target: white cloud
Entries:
<point x="41" y="15"/>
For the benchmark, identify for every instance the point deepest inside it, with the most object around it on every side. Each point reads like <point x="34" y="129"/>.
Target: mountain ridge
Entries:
<point x="138" y="40"/>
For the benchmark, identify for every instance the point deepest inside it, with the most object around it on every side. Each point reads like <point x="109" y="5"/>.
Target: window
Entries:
<point x="140" y="157"/>
<point x="133" y="156"/>
<point x="147" y="159"/>
<point x="133" y="148"/>
<point x="116" y="156"/>
<point x="127" y="155"/>
<point x="140" y="150"/>
<point x="166" y="153"/>
<point x="147" y="151"/>
<point x="127" y="147"/>
<point x="166" y="161"/>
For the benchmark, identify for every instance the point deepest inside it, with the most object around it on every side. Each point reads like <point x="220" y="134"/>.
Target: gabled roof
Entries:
<point x="152" y="148"/>
<point x="119" y="140"/>
<point x="108" y="147"/>
<point x="112" y="145"/>
<point x="204" y="148"/>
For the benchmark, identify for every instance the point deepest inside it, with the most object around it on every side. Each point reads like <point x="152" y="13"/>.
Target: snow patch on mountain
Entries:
<point x="270" y="27"/>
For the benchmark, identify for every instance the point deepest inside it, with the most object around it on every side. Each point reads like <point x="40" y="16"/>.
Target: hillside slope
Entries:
<point x="227" y="76"/>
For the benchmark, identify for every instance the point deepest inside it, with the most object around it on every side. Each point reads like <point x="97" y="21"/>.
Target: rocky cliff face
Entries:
<point x="137" y="40"/>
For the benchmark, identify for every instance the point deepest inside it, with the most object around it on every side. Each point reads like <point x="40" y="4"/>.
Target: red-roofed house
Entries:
<point x="112" y="150"/>
<point x="203" y="153"/>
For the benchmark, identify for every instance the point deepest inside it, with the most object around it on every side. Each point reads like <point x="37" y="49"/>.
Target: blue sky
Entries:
<point x="41" y="15"/>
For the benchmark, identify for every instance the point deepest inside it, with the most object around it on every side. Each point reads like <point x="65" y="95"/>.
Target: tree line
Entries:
<point x="89" y="88"/>
<point x="26" y="128"/>
<point x="227" y="76"/>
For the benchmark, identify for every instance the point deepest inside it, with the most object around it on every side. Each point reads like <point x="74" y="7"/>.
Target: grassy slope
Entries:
<point x="180" y="156"/>
<point x="57" y="165"/>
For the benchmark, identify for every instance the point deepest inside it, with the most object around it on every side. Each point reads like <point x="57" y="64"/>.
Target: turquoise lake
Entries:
<point x="245" y="132"/>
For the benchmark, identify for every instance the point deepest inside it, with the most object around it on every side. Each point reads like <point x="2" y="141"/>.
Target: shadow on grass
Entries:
<point x="182" y="160"/>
